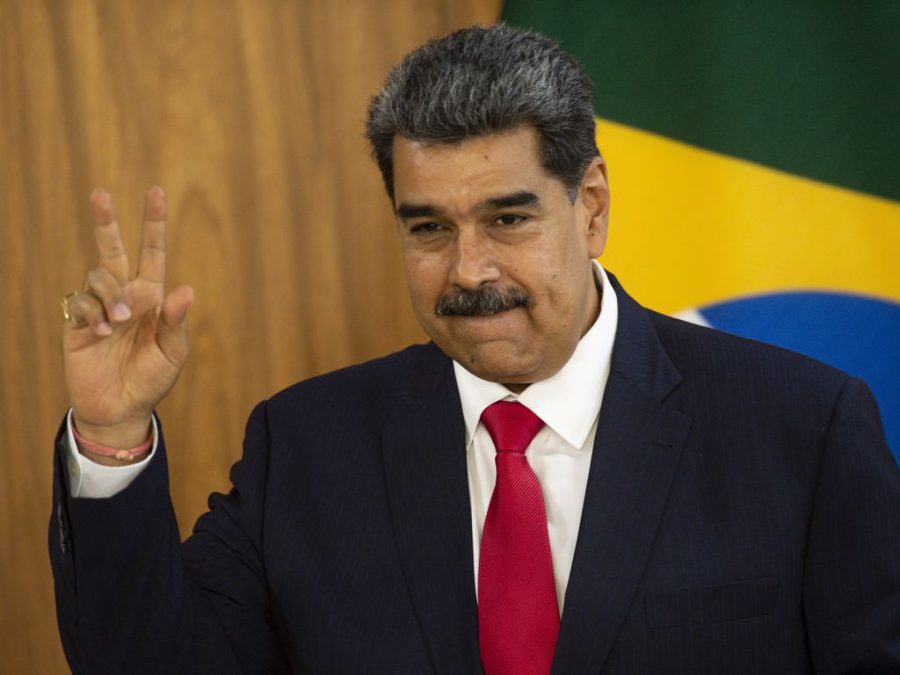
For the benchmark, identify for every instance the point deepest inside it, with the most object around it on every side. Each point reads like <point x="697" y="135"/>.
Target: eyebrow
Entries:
<point x="406" y="211"/>
<point x="521" y="198"/>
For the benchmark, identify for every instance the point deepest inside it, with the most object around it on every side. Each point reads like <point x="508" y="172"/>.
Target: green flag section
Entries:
<point x="754" y="162"/>
<point x="807" y="87"/>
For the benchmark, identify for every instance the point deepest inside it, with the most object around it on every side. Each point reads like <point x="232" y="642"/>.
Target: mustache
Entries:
<point x="483" y="301"/>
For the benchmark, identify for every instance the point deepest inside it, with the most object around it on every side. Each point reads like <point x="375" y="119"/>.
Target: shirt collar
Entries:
<point x="569" y="400"/>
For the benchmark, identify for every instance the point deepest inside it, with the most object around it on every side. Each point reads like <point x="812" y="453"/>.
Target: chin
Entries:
<point x="493" y="362"/>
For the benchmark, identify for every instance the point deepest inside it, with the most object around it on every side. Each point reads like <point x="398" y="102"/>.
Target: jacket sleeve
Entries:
<point x="852" y="568"/>
<point x="132" y="599"/>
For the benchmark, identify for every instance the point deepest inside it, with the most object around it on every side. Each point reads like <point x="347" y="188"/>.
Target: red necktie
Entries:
<point x="518" y="618"/>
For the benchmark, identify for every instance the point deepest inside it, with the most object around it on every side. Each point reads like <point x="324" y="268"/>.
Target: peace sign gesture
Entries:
<point x="125" y="341"/>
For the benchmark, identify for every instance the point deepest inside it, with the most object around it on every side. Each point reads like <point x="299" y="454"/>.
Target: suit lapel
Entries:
<point x="635" y="457"/>
<point x="426" y="477"/>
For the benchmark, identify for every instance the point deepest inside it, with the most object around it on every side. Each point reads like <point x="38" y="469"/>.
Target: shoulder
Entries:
<point x="706" y="357"/>
<point x="689" y="343"/>
<point x="732" y="372"/>
<point x="366" y="385"/>
<point x="345" y="411"/>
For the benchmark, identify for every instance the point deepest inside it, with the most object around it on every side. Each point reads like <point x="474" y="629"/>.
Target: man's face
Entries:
<point x="497" y="258"/>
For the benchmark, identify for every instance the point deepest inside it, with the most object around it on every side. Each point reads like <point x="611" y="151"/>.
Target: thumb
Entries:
<point x="171" y="332"/>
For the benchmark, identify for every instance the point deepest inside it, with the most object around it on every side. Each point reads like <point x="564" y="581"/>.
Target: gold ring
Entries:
<point x="67" y="314"/>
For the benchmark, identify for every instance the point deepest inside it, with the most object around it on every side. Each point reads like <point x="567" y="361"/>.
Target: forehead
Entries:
<point x="455" y="176"/>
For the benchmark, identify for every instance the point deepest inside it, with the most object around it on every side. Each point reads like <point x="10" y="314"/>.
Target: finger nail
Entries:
<point x="103" y="328"/>
<point x="121" y="312"/>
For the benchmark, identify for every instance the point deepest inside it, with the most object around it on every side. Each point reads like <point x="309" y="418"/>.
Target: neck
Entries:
<point x="517" y="388"/>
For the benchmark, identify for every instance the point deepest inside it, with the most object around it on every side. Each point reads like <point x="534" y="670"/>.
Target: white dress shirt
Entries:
<point x="560" y="455"/>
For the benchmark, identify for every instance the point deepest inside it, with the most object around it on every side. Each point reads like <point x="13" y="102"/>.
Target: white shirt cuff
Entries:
<point x="96" y="481"/>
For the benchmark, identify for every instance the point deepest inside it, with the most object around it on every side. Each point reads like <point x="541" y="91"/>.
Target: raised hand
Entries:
<point x="126" y="339"/>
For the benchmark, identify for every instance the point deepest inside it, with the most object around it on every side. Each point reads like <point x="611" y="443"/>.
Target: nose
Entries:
<point x="476" y="263"/>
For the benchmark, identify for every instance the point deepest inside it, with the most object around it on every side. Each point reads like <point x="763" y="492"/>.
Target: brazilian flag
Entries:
<point x="754" y="159"/>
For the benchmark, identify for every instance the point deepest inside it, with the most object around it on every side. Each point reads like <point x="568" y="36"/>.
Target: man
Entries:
<point x="561" y="480"/>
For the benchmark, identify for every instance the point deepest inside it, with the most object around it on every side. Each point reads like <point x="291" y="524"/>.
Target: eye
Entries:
<point x="509" y="220"/>
<point x="425" y="228"/>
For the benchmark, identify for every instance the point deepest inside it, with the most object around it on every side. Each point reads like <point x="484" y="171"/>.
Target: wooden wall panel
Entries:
<point x="250" y="114"/>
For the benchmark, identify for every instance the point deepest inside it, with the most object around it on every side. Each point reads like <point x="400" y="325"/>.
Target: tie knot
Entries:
<point x="511" y="425"/>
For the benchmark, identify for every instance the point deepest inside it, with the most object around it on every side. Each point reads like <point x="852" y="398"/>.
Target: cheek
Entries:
<point x="549" y="274"/>
<point x="423" y="278"/>
<point x="557" y="299"/>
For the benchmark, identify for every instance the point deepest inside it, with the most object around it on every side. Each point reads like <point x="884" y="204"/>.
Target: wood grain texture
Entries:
<point x="250" y="114"/>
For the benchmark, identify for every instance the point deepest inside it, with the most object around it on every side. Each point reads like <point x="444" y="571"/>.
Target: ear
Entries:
<point x="594" y="196"/>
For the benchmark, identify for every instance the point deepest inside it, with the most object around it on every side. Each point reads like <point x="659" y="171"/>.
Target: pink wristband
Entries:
<point x="112" y="452"/>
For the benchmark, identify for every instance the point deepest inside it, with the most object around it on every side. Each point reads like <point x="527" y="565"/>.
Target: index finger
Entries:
<point x="152" y="256"/>
<point x="109" y="238"/>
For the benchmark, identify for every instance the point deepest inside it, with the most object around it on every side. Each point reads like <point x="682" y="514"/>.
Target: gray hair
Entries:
<point x="483" y="80"/>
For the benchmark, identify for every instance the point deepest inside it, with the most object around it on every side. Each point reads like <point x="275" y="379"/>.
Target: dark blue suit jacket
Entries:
<point x="742" y="515"/>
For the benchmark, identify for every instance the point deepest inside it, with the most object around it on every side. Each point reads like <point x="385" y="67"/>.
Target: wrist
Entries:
<point x="113" y="445"/>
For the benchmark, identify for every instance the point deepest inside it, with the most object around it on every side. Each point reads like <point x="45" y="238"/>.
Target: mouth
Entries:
<point x="502" y="317"/>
